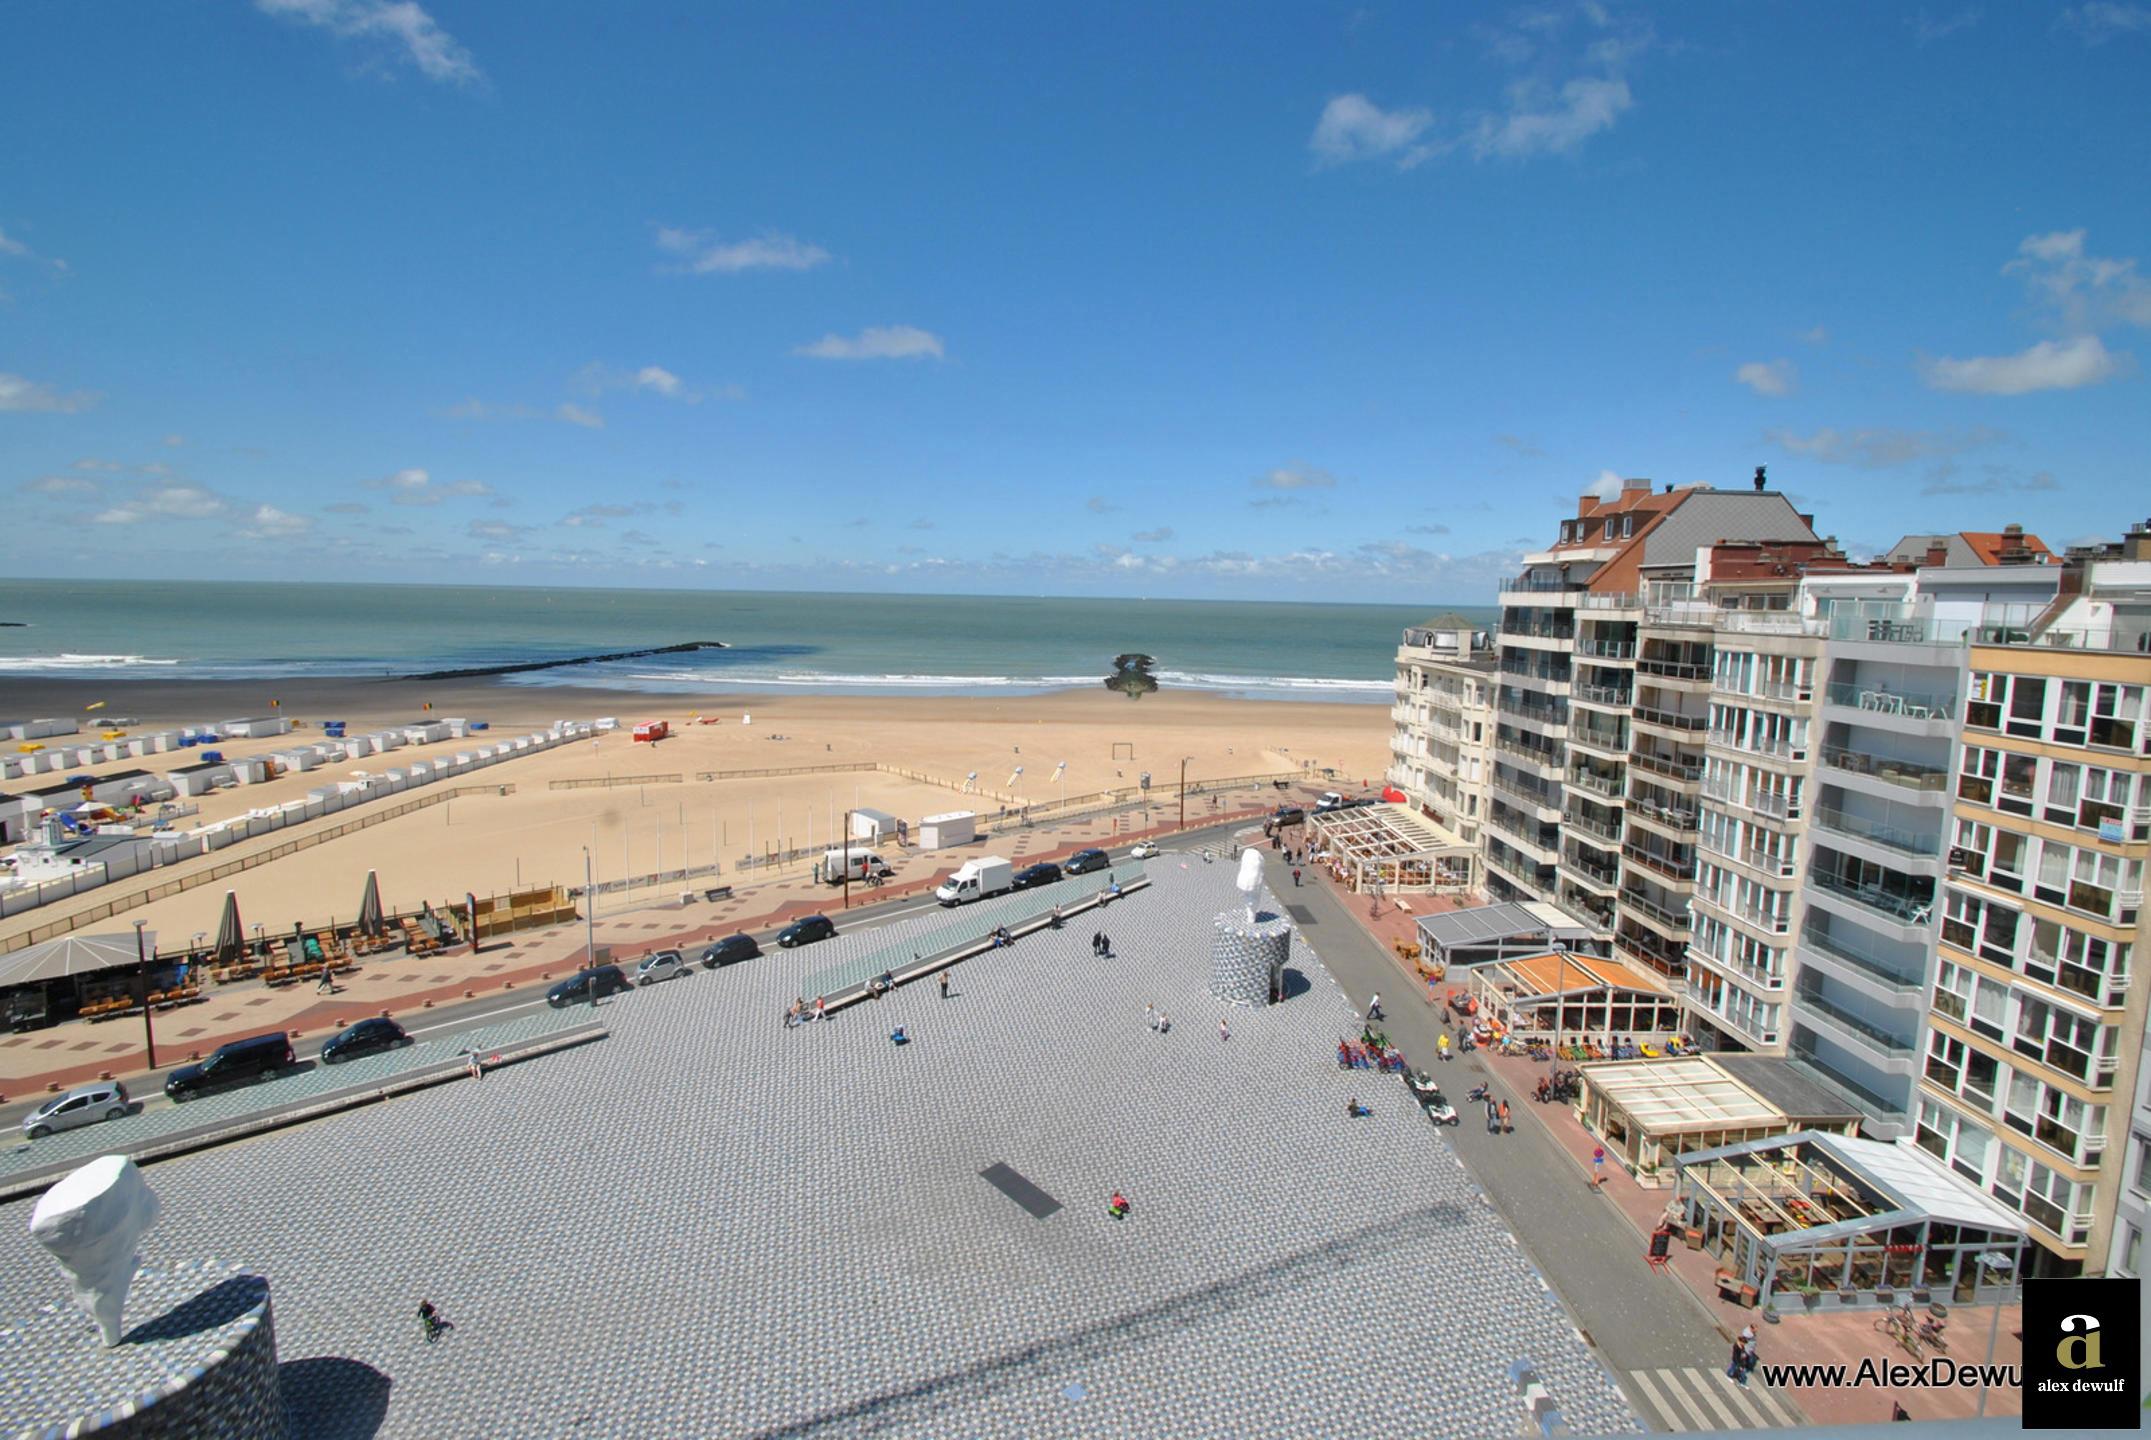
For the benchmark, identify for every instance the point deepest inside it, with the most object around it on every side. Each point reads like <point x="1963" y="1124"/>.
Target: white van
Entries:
<point x="864" y="864"/>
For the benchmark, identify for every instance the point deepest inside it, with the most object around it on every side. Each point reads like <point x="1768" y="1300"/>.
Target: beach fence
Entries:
<point x="607" y="782"/>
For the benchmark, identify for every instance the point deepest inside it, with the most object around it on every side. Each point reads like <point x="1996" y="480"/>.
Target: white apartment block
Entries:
<point x="1444" y="722"/>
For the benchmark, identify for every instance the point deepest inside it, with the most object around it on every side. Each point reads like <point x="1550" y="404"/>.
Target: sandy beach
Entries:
<point x="488" y="842"/>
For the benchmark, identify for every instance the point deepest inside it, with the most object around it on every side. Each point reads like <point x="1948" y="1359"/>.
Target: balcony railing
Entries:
<point x="1648" y="947"/>
<point x="1610" y="601"/>
<point x="1599" y="738"/>
<point x="1673" y="669"/>
<point x="1899" y="906"/>
<point x="1908" y="773"/>
<point x="1698" y="614"/>
<point x="1926" y="845"/>
<point x="1551" y="674"/>
<point x="1642" y="905"/>
<point x="1761" y="977"/>
<point x="1770" y="745"/>
<point x="1547" y="757"/>
<point x="1673" y="867"/>
<point x="1608" y="876"/>
<point x="1769" y="622"/>
<point x="1898" y="629"/>
<point x="1882" y="700"/>
<point x="1651" y="715"/>
<point x="1874" y="1036"/>
<point x="1665" y="765"/>
<point x="1816" y="937"/>
<point x="1760" y="916"/>
<point x="1536" y="630"/>
<point x="1533" y="585"/>
<point x="1503" y="784"/>
<point x="1615" y="695"/>
<point x="1578" y="819"/>
<point x="1676" y="817"/>
<point x="1607" y="649"/>
<point x="1754" y="857"/>
<point x="1599" y="784"/>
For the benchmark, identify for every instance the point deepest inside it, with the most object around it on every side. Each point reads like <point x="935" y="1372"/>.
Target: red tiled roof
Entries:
<point x="1988" y="545"/>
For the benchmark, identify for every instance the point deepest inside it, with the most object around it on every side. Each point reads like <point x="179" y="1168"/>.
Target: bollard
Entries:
<point x="429" y="1005"/>
<point x="52" y="1089"/>
<point x="104" y="1074"/>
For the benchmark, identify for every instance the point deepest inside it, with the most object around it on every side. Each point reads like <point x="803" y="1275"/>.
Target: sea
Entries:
<point x="794" y="642"/>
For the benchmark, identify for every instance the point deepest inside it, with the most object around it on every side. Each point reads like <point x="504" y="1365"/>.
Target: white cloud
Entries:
<point x="175" y="441"/>
<point x="1927" y="29"/>
<point x="597" y="378"/>
<point x="184" y="502"/>
<point x="1296" y="476"/>
<point x="1816" y="335"/>
<point x="91" y="462"/>
<point x="12" y="247"/>
<point x="659" y="379"/>
<point x="60" y="485"/>
<point x="1153" y="537"/>
<point x="416" y="487"/>
<point x="2101" y="21"/>
<point x="1768" y="377"/>
<point x="269" y="523"/>
<point x="2082" y="292"/>
<point x="22" y="395"/>
<point x="117" y="515"/>
<point x="1352" y="127"/>
<point x="1607" y="486"/>
<point x="2048" y="365"/>
<point x="877" y="342"/>
<point x="770" y="250"/>
<point x="1881" y="447"/>
<point x="403" y="25"/>
<point x="580" y="415"/>
<point x="1541" y="120"/>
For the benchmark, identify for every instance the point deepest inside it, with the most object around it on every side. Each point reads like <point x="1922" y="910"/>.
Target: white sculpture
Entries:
<point x="1250" y="878"/>
<point x="91" y="1221"/>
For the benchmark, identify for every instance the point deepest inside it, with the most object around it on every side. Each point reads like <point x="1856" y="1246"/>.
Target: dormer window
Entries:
<point x="1568" y="532"/>
<point x="1610" y="523"/>
<point x="1628" y="526"/>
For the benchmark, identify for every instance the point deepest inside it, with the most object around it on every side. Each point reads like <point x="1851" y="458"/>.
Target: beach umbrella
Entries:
<point x="231" y="936"/>
<point x="369" y="916"/>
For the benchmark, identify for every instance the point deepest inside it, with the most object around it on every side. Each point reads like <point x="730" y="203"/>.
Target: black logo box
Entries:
<point x="2083" y="1357"/>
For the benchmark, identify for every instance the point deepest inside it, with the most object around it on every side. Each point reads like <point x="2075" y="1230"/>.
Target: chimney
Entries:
<point x="1937" y="552"/>
<point x="1629" y="487"/>
<point x="1760" y="480"/>
<point x="2013" y="550"/>
<point x="1669" y="487"/>
<point x="2136" y="544"/>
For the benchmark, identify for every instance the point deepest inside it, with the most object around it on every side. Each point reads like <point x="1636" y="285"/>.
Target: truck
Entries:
<point x="862" y="864"/>
<point x="977" y="879"/>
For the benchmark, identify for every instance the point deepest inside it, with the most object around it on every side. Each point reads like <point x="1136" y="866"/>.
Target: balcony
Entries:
<point x="1504" y="785"/>
<point x="1651" y="910"/>
<point x="1899" y="629"/>
<point x="1683" y="615"/>
<point x="1612" y="697"/>
<point x="1756" y="858"/>
<point x="1606" y="878"/>
<point x="1653" y="950"/>
<point x="1753" y="977"/>
<point x="1671" y="720"/>
<point x="1677" y="818"/>
<point x="1532" y="585"/>
<point x="1768" y="747"/>
<point x="1881" y="700"/>
<point x="1611" y="742"/>
<point x="1576" y="818"/>
<point x="1685" y="671"/>
<point x="1520" y="872"/>
<point x="1910" y="774"/>
<point x="1585" y="778"/>
<point x="1863" y="1033"/>
<point x="1607" y="649"/>
<point x="1769" y="622"/>
<point x="1679" y="771"/>
<point x="1923" y="845"/>
<point x="1587" y="907"/>
<point x="1816" y="938"/>
<point x="1671" y="867"/>
<point x="1546" y="757"/>
<point x="1533" y="674"/>
<point x="1902" y="907"/>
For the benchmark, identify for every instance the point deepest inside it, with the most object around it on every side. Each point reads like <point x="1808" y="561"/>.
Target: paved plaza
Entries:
<point x="711" y="1225"/>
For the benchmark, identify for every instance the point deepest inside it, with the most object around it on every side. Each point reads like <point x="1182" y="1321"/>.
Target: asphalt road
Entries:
<point x="1582" y="1246"/>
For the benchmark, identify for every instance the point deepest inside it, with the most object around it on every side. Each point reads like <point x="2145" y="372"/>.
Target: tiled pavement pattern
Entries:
<point x="714" y="1226"/>
<point x="147" y="1125"/>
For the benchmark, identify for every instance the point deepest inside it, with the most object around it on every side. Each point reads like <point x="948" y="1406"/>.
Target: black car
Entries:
<point x="239" y="1063"/>
<point x="1085" y="861"/>
<point x="1287" y="815"/>
<point x="730" y="951"/>
<point x="806" y="931"/>
<point x="368" y="1037"/>
<point x="577" y="988"/>
<point x="1045" y="872"/>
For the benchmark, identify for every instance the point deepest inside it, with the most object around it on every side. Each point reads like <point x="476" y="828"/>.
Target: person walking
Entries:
<point x="1441" y="1046"/>
<point x="1374" y="1007"/>
<point x="1506" y="1127"/>
<point x="431" y="1319"/>
<point x="821" y="1007"/>
<point x="1224" y="1031"/>
<point x="1097" y="942"/>
<point x="1748" y="1361"/>
<point x="1732" y="1366"/>
<point x="1493" y="1116"/>
<point x="1150" y="1015"/>
<point x="1295" y="877"/>
<point x="1105" y="947"/>
<point x="945" y="984"/>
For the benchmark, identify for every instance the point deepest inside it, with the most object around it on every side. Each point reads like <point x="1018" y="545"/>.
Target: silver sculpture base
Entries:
<point x="1247" y="957"/>
<point x="198" y="1357"/>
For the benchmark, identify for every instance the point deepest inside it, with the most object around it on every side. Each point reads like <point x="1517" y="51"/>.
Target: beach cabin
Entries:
<point x="254" y="727"/>
<point x="939" y="832"/>
<point x="653" y="730"/>
<point x="873" y="825"/>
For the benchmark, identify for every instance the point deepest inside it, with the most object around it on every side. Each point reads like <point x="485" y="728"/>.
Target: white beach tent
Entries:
<point x="71" y="955"/>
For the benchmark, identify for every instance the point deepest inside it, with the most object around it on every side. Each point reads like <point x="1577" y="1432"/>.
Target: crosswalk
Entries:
<point x="1698" y="1399"/>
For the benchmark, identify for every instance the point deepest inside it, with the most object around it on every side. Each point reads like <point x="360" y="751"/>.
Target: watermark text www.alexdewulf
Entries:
<point x="1874" y="1373"/>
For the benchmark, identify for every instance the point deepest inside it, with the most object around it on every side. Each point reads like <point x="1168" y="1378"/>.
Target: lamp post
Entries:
<point x="141" y="976"/>
<point x="1184" y="791"/>
<point x="590" y="923"/>
<point x="844" y="854"/>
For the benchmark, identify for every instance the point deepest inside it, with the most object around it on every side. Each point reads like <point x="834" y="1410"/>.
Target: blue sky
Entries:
<point x="1325" y="302"/>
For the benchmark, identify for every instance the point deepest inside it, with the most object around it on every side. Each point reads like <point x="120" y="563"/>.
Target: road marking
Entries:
<point x="1658" y="1406"/>
<point x="1700" y="1421"/>
<point x="1714" y="1392"/>
<point x="470" y="1020"/>
<point x="1673" y="1397"/>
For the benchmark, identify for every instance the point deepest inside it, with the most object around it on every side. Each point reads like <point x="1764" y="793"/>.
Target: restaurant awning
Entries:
<point x="67" y="955"/>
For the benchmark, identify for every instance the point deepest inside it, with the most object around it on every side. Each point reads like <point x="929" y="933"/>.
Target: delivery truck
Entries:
<point x="863" y="865"/>
<point x="977" y="879"/>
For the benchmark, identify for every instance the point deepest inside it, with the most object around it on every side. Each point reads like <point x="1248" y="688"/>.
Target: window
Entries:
<point x="1945" y="1060"/>
<point x="2019" y="772"/>
<point x="2141" y="1176"/>
<point x="2132" y="1237"/>
<point x="2026" y="715"/>
<point x="1975" y="775"/>
<point x="2006" y="870"/>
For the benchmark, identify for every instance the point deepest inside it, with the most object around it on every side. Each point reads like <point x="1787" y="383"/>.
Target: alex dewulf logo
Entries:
<point x="2081" y="1358"/>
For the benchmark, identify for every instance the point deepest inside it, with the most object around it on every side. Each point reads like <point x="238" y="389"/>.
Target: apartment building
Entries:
<point x="1444" y="722"/>
<point x="2030" y="1071"/>
<point x="1600" y="718"/>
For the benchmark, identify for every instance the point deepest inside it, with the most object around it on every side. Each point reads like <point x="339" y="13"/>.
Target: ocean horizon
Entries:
<point x="797" y="642"/>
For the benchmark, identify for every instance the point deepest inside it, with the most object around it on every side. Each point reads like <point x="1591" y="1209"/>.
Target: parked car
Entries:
<point x="577" y="988"/>
<point x="662" y="965"/>
<point x="83" y="1105"/>
<point x="730" y="951"/>
<point x="1330" y="800"/>
<point x="243" y="1061"/>
<point x="1085" y="861"/>
<point x="368" y="1037"/>
<point x="806" y="931"/>
<point x="1045" y="872"/>
<point x="1144" y="850"/>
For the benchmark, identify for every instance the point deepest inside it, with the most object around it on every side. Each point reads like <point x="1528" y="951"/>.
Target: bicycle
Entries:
<point x="1897" y="1324"/>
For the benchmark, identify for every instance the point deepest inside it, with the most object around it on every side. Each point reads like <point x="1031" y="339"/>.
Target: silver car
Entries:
<point x="662" y="965"/>
<point x="83" y="1105"/>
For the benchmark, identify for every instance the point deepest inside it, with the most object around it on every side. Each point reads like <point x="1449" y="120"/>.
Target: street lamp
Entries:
<point x="590" y="924"/>
<point x="141" y="977"/>
<point x="844" y="854"/>
<point x="1184" y="790"/>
